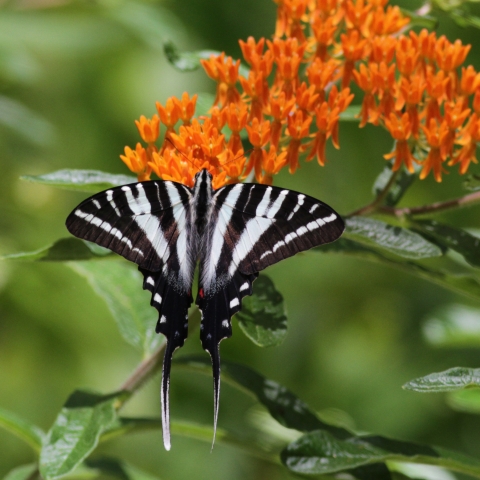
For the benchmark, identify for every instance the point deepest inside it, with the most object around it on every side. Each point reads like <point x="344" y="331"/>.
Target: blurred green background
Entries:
<point x="73" y="77"/>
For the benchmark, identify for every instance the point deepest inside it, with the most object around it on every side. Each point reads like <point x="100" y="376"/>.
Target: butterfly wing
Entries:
<point x="149" y="223"/>
<point x="251" y="227"/>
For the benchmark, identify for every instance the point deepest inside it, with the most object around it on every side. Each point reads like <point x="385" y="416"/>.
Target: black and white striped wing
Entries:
<point x="251" y="227"/>
<point x="149" y="223"/>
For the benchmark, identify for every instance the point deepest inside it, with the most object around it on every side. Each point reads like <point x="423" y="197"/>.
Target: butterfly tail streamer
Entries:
<point x="165" y="395"/>
<point x="215" y="354"/>
<point x="173" y="323"/>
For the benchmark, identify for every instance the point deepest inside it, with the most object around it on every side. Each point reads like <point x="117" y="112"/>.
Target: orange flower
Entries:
<point x="236" y="116"/>
<point x="185" y="107"/>
<point x="297" y="129"/>
<point x="356" y="14"/>
<point x="225" y="72"/>
<point x="138" y="162"/>
<point x="272" y="164"/>
<point x="407" y="56"/>
<point x="409" y="95"/>
<point x="436" y="86"/>
<point x="436" y="136"/>
<point x="259" y="136"/>
<point x="383" y="48"/>
<point x="321" y="74"/>
<point x="365" y="80"/>
<point x="353" y="50"/>
<point x="324" y="30"/>
<point x="279" y="109"/>
<point x="386" y="22"/>
<point x="148" y="129"/>
<point x="469" y="137"/>
<point x="400" y="129"/>
<point x="257" y="91"/>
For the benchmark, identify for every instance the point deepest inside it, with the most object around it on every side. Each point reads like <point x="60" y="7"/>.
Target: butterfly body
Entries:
<point x="233" y="233"/>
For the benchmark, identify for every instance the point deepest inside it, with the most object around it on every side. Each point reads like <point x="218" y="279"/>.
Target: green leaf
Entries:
<point x="262" y="318"/>
<point x="63" y="250"/>
<point x="26" y="123"/>
<point x="120" y="285"/>
<point x="453" y="326"/>
<point x="398" y="240"/>
<point x="456" y="239"/>
<point x="467" y="401"/>
<point x="351" y="114"/>
<point x="91" y="181"/>
<point x="190" y="61"/>
<point x="465" y="284"/>
<point x="112" y="467"/>
<point x="450" y="380"/>
<point x="397" y="183"/>
<point x="423" y="21"/>
<point x="24" y="472"/>
<point x="283" y="405"/>
<point x="319" y="452"/>
<point x="76" y="431"/>
<point x="22" y="429"/>
<point x="463" y="18"/>
<point x="472" y="183"/>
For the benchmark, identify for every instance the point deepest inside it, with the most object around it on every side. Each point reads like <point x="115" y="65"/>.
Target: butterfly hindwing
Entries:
<point x="172" y="306"/>
<point x="217" y="308"/>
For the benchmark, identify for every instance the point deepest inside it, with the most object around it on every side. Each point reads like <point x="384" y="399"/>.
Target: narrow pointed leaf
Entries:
<point x="319" y="452"/>
<point x="91" y="181"/>
<point x="453" y="325"/>
<point x="262" y="317"/>
<point x="112" y="467"/>
<point x="456" y="239"/>
<point x="282" y="404"/>
<point x="24" y="472"/>
<point x="467" y="400"/>
<point x="63" y="250"/>
<point x="424" y="21"/>
<point x="190" y="61"/>
<point x="25" y="122"/>
<point x="120" y="285"/>
<point x="472" y="183"/>
<point x="400" y="183"/>
<point x="76" y="431"/>
<point x="22" y="429"/>
<point x="397" y="240"/>
<point x="452" y="379"/>
<point x="466" y="284"/>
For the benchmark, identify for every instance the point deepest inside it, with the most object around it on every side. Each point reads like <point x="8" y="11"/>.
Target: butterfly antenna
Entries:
<point x="164" y="396"/>
<point x="180" y="152"/>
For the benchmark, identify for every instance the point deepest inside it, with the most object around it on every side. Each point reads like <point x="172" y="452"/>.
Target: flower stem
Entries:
<point x="150" y="365"/>
<point x="375" y="205"/>
<point x="436" y="207"/>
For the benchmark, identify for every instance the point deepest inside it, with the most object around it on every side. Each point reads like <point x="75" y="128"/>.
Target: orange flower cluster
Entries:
<point x="298" y="86"/>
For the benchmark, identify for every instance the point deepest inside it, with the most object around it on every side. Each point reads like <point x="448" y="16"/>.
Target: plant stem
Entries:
<point x="372" y="207"/>
<point x="436" y="207"/>
<point x="149" y="367"/>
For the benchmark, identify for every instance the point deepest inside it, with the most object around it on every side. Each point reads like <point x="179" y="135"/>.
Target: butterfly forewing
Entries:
<point x="139" y="221"/>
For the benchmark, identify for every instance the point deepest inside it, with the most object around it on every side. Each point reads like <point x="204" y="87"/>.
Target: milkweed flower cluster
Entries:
<point x="299" y="83"/>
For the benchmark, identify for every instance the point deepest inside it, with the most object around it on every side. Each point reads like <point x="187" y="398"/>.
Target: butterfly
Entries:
<point x="233" y="233"/>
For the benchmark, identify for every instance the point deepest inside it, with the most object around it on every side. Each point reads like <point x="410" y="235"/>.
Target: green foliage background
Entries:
<point x="73" y="77"/>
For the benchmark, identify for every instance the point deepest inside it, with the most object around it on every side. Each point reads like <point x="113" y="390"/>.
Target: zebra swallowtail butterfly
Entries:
<point x="233" y="232"/>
